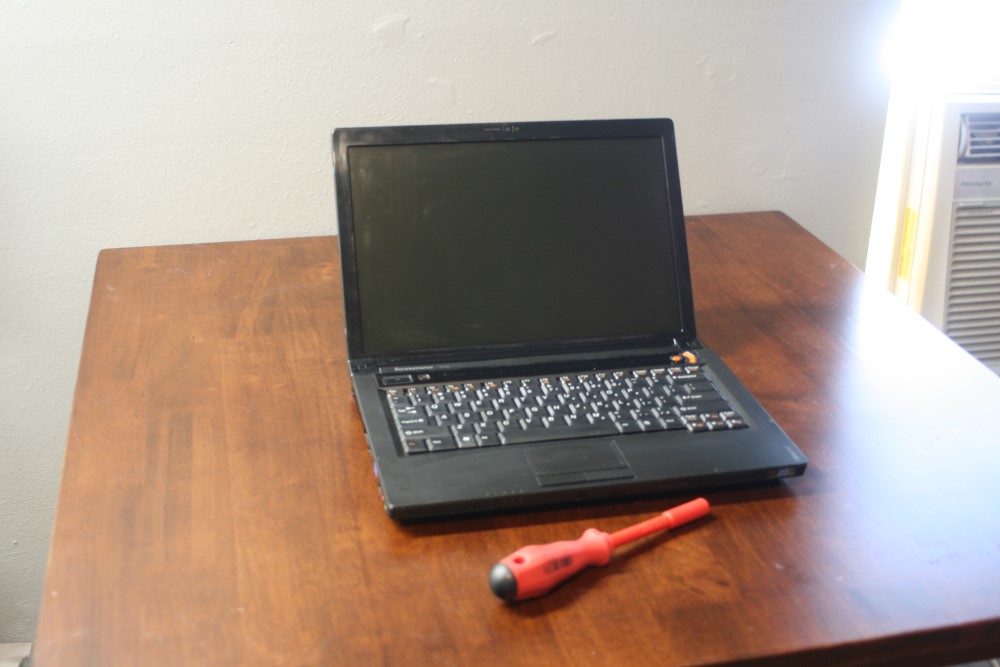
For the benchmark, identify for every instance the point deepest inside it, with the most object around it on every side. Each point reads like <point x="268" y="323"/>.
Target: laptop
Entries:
<point x="520" y="322"/>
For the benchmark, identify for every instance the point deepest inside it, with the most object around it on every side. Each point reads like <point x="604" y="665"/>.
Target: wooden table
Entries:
<point x="218" y="505"/>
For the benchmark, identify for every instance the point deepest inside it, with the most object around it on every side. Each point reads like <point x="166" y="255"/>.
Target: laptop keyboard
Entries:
<point x="511" y="411"/>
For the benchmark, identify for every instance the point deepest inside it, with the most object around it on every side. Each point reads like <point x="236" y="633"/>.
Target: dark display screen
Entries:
<point x="492" y="243"/>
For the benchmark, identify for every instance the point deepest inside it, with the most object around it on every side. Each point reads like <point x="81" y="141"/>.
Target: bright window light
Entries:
<point x="944" y="45"/>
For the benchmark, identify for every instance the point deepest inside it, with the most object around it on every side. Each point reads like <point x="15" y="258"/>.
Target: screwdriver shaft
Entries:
<point x="672" y="518"/>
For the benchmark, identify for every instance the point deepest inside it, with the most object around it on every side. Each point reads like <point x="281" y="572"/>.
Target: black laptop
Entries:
<point x="520" y="323"/>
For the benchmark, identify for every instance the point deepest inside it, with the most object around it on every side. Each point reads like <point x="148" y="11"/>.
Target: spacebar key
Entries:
<point x="541" y="433"/>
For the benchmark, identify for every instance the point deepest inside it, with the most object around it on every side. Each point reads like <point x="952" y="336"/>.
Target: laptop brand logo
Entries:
<point x="502" y="128"/>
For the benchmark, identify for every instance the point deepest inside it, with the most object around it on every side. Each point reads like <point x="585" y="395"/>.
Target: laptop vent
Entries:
<point x="972" y="311"/>
<point x="979" y="137"/>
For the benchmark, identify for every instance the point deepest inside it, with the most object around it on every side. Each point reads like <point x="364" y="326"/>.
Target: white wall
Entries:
<point x="149" y="122"/>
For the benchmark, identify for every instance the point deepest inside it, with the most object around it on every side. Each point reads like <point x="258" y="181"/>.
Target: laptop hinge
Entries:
<point x="687" y="344"/>
<point x="361" y="365"/>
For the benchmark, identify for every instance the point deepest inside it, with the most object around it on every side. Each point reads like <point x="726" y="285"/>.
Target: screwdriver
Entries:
<point x="536" y="569"/>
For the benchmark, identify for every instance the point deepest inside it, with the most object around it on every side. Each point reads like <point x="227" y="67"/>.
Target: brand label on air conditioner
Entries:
<point x="977" y="183"/>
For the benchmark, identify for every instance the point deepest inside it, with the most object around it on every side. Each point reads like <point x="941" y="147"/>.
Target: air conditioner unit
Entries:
<point x="949" y="249"/>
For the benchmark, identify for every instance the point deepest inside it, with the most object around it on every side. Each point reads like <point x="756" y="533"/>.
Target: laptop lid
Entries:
<point x="485" y="240"/>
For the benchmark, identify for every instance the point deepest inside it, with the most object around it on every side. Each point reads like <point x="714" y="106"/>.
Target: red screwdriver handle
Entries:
<point x="533" y="570"/>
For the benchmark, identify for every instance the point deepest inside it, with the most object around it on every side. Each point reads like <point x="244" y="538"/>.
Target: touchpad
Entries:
<point x="579" y="462"/>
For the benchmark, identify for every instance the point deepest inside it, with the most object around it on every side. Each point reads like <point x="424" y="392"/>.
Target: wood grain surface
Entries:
<point x="218" y="505"/>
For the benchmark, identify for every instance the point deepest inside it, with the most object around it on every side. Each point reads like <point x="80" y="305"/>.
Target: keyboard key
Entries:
<point x="671" y="422"/>
<point x="698" y="408"/>
<point x="488" y="439"/>
<point x="542" y="434"/>
<point x="694" y="423"/>
<point x="415" y="446"/>
<point x="650" y="424"/>
<point x="401" y="402"/>
<point x="733" y="420"/>
<point x="425" y="432"/>
<point x="486" y="427"/>
<point x="466" y="428"/>
<point x="441" y="444"/>
<point x="421" y="399"/>
<point x="415" y="421"/>
<point x="699" y="386"/>
<point x="446" y="419"/>
<point x="628" y="425"/>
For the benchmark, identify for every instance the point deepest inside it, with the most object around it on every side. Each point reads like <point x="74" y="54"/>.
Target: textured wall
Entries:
<point x="141" y="122"/>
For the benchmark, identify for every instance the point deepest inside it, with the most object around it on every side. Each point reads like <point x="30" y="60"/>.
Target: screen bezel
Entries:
<point x="661" y="129"/>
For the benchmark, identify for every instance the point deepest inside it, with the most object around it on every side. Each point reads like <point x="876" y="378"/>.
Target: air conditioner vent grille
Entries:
<point x="980" y="137"/>
<point x="972" y="308"/>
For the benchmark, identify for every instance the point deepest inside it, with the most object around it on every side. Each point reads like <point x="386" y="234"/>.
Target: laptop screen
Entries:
<point x="509" y="242"/>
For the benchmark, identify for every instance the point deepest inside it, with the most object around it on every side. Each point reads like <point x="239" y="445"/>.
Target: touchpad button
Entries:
<point x="580" y="462"/>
